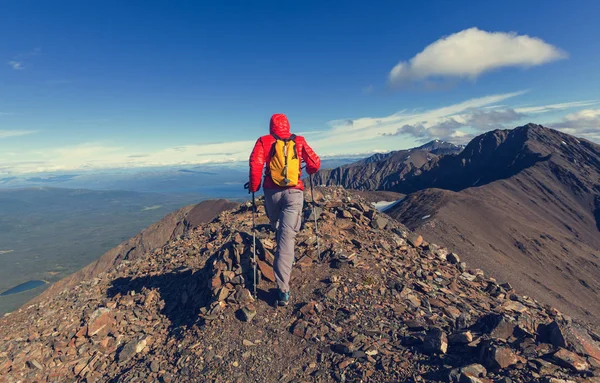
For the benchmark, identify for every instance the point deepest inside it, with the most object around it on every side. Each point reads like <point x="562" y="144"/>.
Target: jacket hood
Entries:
<point x="280" y="126"/>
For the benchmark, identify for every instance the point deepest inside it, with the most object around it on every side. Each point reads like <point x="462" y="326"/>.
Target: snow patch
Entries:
<point x="385" y="205"/>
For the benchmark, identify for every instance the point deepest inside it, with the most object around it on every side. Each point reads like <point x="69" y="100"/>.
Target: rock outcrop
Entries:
<point x="378" y="303"/>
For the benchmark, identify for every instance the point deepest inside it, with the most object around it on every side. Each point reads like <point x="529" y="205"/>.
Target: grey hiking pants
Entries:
<point x="284" y="209"/>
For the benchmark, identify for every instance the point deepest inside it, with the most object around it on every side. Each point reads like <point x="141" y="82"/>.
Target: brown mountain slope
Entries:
<point x="534" y="225"/>
<point x="154" y="236"/>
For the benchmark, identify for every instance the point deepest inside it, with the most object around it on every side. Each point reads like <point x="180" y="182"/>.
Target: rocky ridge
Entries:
<point x="387" y="170"/>
<point x="377" y="304"/>
<point x="502" y="154"/>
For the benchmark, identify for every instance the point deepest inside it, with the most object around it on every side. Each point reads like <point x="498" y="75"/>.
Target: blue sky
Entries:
<point x="111" y="84"/>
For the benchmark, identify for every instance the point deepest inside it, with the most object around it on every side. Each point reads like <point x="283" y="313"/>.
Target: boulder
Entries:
<point x="248" y="312"/>
<point x="453" y="258"/>
<point x="496" y="356"/>
<point x="461" y="338"/>
<point x="130" y="349"/>
<point x="99" y="320"/>
<point x="566" y="358"/>
<point x="415" y="240"/>
<point x="436" y="342"/>
<point x="379" y="222"/>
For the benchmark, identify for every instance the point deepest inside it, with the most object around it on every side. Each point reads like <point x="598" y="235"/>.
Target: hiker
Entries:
<point x="282" y="152"/>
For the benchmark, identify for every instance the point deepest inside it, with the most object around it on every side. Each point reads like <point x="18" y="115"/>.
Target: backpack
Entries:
<point x="285" y="165"/>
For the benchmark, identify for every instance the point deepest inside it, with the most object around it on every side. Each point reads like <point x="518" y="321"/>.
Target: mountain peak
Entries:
<point x="529" y="126"/>
<point x="440" y="147"/>
<point x="501" y="154"/>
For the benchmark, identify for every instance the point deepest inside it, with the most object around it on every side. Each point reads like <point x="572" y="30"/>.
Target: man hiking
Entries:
<point x="282" y="152"/>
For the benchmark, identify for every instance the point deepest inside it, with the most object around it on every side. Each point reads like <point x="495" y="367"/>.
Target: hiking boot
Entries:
<point x="283" y="298"/>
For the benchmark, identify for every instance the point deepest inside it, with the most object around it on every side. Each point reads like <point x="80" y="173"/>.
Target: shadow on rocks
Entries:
<point x="187" y="293"/>
<point x="184" y="293"/>
<point x="267" y="296"/>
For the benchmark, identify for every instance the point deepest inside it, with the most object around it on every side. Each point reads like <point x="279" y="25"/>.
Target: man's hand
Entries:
<point x="247" y="187"/>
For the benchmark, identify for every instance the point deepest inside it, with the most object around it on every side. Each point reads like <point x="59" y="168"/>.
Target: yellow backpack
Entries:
<point x="285" y="165"/>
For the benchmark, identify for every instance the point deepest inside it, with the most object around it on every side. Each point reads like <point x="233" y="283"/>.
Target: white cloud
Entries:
<point x="18" y="62"/>
<point x="457" y="123"/>
<point x="16" y="65"/>
<point x="471" y="52"/>
<point x="584" y="116"/>
<point x="488" y="119"/>
<point x="15" y="133"/>
<point x="201" y="154"/>
<point x="449" y="129"/>
<point x="367" y="128"/>
<point x="407" y="128"/>
<point x="555" y="107"/>
<point x="584" y="123"/>
<point x="101" y="156"/>
<point x="86" y="152"/>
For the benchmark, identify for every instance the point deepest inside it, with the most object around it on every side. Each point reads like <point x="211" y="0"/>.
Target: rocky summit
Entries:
<point x="371" y="302"/>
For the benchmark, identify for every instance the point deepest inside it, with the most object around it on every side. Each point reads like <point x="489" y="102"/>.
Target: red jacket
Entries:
<point x="262" y="150"/>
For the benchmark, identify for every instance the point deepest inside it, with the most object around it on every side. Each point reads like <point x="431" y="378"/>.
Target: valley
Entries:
<point x="53" y="232"/>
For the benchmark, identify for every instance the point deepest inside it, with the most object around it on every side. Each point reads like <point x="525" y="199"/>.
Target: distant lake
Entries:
<point x="30" y="285"/>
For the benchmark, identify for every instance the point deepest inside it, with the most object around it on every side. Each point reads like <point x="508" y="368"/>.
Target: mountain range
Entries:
<point x="386" y="170"/>
<point x="486" y="270"/>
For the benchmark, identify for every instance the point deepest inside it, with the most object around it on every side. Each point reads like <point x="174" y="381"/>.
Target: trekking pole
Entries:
<point x="254" y="240"/>
<point x="254" y="282"/>
<point x="312" y="195"/>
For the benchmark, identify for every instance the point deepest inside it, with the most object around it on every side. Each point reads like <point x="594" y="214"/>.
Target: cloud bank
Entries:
<point x="15" y="133"/>
<point x="443" y="123"/>
<point x="584" y="123"/>
<point x="472" y="52"/>
<point x="449" y="129"/>
<point x="457" y="123"/>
